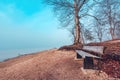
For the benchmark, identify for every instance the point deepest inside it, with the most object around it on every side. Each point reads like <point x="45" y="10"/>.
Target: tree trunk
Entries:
<point x="112" y="33"/>
<point x="77" y="25"/>
<point x="111" y="22"/>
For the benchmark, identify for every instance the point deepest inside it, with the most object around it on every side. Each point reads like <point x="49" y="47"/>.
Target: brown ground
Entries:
<point x="111" y="62"/>
<point x="48" y="65"/>
<point x="111" y="58"/>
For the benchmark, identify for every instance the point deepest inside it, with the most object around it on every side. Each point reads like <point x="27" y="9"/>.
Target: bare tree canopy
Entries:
<point x="69" y="13"/>
<point x="108" y="13"/>
<point x="106" y="16"/>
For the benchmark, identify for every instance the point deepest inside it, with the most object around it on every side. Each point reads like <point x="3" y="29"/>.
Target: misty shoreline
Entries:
<point x="10" y="54"/>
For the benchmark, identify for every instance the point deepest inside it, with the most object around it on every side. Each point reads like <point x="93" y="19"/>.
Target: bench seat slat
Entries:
<point x="84" y="54"/>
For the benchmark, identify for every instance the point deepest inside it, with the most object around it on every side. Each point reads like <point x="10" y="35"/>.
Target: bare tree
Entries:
<point x="117" y="29"/>
<point x="88" y="35"/>
<point x="69" y="13"/>
<point x="99" y="31"/>
<point x="108" y="13"/>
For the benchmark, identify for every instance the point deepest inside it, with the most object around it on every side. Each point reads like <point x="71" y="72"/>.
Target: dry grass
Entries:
<point x="47" y="65"/>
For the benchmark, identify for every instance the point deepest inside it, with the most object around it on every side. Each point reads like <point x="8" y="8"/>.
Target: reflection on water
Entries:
<point x="5" y="54"/>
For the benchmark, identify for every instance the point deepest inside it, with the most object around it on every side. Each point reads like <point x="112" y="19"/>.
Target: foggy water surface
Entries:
<point x="6" y="54"/>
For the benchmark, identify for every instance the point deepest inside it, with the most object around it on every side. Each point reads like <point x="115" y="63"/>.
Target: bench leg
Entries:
<point x="88" y="63"/>
<point x="78" y="56"/>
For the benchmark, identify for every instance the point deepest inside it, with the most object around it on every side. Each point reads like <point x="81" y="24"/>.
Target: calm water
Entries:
<point x="5" y="54"/>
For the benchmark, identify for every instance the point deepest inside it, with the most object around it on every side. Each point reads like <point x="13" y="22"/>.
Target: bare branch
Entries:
<point x="81" y="4"/>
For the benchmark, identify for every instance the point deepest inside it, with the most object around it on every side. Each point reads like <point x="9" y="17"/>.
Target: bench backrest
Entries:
<point x="98" y="49"/>
<point x="85" y="54"/>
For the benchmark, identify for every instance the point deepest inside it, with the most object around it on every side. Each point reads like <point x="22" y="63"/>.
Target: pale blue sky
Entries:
<point x="29" y="24"/>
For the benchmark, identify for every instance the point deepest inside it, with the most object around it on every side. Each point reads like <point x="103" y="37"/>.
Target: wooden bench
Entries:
<point x="89" y="53"/>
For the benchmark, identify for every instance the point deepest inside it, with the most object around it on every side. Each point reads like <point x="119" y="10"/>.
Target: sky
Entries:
<point x="30" y="24"/>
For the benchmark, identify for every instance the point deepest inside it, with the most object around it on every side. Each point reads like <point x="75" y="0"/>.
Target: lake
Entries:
<point x="6" y="54"/>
